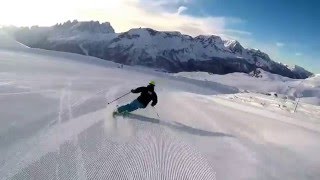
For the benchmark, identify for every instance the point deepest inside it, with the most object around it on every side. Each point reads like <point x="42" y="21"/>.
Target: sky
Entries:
<point x="285" y="29"/>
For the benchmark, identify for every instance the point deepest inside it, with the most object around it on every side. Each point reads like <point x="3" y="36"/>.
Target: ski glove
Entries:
<point x="138" y="90"/>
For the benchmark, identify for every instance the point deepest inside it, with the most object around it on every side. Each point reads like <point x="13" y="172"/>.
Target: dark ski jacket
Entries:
<point x="147" y="95"/>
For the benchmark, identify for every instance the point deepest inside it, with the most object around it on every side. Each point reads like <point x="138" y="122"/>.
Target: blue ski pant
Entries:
<point x="134" y="105"/>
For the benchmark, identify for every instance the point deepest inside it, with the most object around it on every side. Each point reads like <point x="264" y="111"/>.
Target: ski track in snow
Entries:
<point x="56" y="124"/>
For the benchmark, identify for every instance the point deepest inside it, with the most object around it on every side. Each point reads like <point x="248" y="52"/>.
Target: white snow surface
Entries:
<point x="56" y="124"/>
<point x="306" y="89"/>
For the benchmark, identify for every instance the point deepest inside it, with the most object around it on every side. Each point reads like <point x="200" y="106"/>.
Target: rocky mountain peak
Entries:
<point x="86" y="26"/>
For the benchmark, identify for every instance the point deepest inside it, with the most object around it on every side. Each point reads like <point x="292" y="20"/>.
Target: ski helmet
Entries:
<point x="152" y="83"/>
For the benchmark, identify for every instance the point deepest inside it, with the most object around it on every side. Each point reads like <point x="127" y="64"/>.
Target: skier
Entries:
<point x="147" y="94"/>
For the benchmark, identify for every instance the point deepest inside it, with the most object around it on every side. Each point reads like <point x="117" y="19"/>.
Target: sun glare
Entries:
<point x="49" y="12"/>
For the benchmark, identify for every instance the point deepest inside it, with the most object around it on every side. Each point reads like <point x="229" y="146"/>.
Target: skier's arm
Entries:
<point x="154" y="99"/>
<point x="138" y="90"/>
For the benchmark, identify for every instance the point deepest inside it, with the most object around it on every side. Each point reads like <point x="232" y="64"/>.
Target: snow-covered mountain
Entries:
<point x="170" y="51"/>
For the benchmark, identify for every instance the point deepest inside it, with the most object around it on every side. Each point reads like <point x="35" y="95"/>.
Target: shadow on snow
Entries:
<point x="178" y="126"/>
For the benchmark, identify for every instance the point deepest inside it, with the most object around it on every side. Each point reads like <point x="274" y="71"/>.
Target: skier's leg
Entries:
<point x="124" y="108"/>
<point x="134" y="105"/>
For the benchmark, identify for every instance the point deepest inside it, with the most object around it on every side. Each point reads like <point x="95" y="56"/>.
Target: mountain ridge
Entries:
<point x="170" y="51"/>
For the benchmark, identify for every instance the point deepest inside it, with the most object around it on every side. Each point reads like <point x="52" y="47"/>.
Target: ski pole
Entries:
<point x="119" y="97"/>
<point x="156" y="112"/>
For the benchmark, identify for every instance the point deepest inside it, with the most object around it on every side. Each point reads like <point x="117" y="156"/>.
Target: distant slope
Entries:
<point x="8" y="42"/>
<point x="265" y="82"/>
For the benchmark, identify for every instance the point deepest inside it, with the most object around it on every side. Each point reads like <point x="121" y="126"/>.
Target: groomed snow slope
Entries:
<point x="55" y="124"/>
